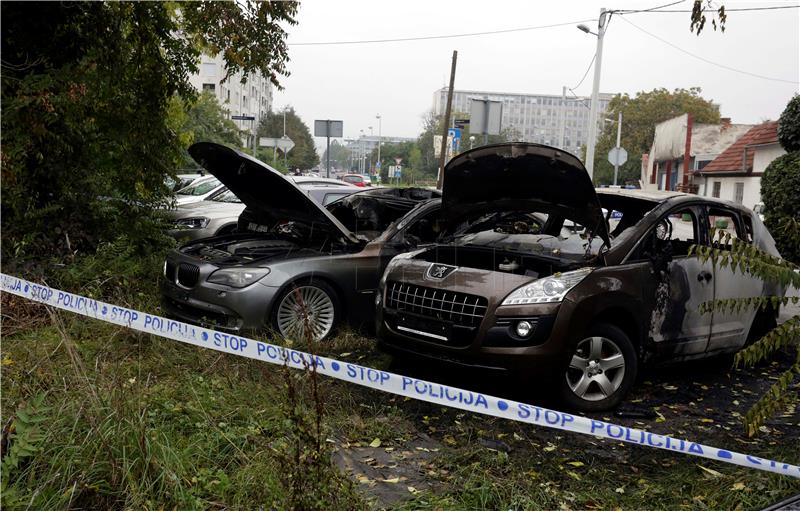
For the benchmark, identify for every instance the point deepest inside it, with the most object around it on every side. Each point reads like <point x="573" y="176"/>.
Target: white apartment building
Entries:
<point x="537" y="118"/>
<point x="252" y="97"/>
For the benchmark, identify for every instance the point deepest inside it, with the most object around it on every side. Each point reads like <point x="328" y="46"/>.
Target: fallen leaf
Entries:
<point x="375" y="443"/>
<point x="393" y="480"/>
<point x="710" y="471"/>
<point x="550" y="448"/>
<point x="412" y="490"/>
<point x="449" y="440"/>
<point x="573" y="475"/>
<point x="707" y="420"/>
<point x="347" y="354"/>
<point x="738" y="486"/>
<point x="575" y="463"/>
<point x="621" y="489"/>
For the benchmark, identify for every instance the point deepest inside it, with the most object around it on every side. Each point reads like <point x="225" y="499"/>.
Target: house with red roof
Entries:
<point x="682" y="147"/>
<point x="736" y="173"/>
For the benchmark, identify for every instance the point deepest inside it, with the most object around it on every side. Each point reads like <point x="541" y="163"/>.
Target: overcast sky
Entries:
<point x="354" y="82"/>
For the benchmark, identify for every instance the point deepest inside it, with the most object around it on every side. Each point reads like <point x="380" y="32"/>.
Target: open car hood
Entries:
<point x="271" y="195"/>
<point x="519" y="175"/>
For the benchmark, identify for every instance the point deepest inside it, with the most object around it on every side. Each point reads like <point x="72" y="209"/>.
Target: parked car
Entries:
<point x="357" y="180"/>
<point x="320" y="181"/>
<point x="570" y="301"/>
<point x="293" y="265"/>
<point x="220" y="214"/>
<point x="182" y="181"/>
<point x="200" y="189"/>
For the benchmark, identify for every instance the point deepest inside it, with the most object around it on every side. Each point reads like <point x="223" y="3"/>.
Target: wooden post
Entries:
<point x="446" y="121"/>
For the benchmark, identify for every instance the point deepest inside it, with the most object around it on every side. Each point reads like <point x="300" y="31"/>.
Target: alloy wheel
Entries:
<point x="596" y="370"/>
<point x="305" y="312"/>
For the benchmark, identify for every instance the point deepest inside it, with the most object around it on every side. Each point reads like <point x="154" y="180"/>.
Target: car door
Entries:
<point x="679" y="284"/>
<point x="729" y="329"/>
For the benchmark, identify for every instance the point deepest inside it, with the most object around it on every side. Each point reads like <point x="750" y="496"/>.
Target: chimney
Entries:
<point x="726" y="122"/>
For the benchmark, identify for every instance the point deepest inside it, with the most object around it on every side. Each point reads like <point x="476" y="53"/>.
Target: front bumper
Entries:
<point x="224" y="307"/>
<point x="490" y="343"/>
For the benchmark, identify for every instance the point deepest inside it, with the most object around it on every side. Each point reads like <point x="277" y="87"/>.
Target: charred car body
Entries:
<point x="292" y="265"/>
<point x="605" y="283"/>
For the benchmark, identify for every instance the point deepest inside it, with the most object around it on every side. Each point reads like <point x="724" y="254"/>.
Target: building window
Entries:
<point x="738" y="193"/>
<point x="716" y="189"/>
<point x="209" y="68"/>
<point x="209" y="86"/>
<point x="228" y="98"/>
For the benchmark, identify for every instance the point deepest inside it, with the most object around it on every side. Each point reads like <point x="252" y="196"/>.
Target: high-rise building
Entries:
<point x="252" y="97"/>
<point x="535" y="118"/>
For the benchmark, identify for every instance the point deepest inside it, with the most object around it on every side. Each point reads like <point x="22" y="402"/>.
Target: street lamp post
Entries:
<point x="598" y="62"/>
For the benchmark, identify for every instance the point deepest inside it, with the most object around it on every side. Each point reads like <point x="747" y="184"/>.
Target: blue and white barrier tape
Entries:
<point x="380" y="380"/>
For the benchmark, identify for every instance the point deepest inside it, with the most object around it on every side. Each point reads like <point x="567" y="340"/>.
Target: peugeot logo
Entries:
<point x="440" y="271"/>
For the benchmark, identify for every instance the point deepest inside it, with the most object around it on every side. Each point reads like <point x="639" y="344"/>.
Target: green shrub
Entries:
<point x="789" y="125"/>
<point x="780" y="192"/>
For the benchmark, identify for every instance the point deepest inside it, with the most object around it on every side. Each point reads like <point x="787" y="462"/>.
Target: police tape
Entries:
<point x="376" y="379"/>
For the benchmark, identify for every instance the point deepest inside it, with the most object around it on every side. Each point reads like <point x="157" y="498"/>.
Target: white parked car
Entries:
<point x="200" y="189"/>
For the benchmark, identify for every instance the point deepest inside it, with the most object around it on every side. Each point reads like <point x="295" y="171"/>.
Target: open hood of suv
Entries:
<point x="515" y="175"/>
<point x="271" y="195"/>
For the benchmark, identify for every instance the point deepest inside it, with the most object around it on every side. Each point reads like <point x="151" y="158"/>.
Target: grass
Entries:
<point x="132" y="421"/>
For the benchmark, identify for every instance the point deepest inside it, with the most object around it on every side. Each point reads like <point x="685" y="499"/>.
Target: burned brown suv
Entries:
<point x="538" y="273"/>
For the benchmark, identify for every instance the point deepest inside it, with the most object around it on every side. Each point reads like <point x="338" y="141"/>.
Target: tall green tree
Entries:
<point x="340" y="156"/>
<point x="640" y="114"/>
<point x="204" y="120"/>
<point x="87" y="131"/>
<point x="304" y="154"/>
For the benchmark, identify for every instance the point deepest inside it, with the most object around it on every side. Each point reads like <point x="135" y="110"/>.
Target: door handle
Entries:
<point x="704" y="275"/>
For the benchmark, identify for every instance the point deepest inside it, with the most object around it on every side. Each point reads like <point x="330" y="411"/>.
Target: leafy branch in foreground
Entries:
<point x="729" y="251"/>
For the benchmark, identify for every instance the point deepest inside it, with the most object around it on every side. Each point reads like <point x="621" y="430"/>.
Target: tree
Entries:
<point x="640" y="114"/>
<point x="340" y="156"/>
<point x="789" y="125"/>
<point x="432" y="126"/>
<point x="304" y="154"/>
<point x="780" y="186"/>
<point x="205" y="120"/>
<point x="88" y="135"/>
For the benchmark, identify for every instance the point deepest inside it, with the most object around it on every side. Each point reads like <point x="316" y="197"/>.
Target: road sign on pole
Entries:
<point x="617" y="156"/>
<point x="328" y="128"/>
<point x="485" y="118"/>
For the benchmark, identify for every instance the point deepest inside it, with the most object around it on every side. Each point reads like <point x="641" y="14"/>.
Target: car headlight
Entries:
<point x="547" y="290"/>
<point x="238" y="277"/>
<point x="197" y="222"/>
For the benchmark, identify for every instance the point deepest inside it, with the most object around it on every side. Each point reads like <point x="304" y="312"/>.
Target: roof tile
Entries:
<point x="739" y="156"/>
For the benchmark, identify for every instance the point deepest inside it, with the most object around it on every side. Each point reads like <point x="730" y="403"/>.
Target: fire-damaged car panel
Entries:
<point x="292" y="266"/>
<point x="578" y="302"/>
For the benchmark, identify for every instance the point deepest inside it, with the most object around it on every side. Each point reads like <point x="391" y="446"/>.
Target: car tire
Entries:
<point x="601" y="370"/>
<point x="322" y="306"/>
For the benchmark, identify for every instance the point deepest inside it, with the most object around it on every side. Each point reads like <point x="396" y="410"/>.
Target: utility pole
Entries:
<point x="598" y="62"/>
<point x="619" y="134"/>
<point x="446" y="121"/>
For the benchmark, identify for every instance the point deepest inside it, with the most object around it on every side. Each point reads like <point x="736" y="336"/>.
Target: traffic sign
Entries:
<point x="243" y="117"/>
<point x="617" y="156"/>
<point x="285" y="144"/>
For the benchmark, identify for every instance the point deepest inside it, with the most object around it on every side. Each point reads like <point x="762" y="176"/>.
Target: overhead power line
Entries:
<point x="733" y="9"/>
<point x="445" y="36"/>
<point x="707" y="61"/>
<point x="586" y="73"/>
